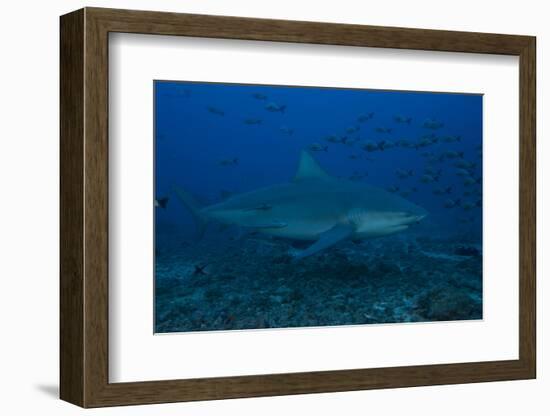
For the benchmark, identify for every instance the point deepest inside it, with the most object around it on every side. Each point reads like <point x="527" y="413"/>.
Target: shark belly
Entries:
<point x="380" y="231"/>
<point x="301" y="230"/>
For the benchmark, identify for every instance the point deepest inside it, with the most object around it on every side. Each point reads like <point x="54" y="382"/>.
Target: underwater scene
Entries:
<point x="290" y="206"/>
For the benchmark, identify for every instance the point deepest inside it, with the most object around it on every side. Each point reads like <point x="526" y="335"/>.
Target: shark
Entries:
<point x="314" y="206"/>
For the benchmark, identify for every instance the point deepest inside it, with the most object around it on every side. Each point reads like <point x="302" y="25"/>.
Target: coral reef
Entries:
<point x="253" y="283"/>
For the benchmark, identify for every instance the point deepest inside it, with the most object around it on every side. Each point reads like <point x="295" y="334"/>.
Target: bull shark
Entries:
<point x="314" y="206"/>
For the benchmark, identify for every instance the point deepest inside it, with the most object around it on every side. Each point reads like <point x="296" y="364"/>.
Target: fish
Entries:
<point x="229" y="162"/>
<point x="462" y="172"/>
<point x="365" y="117"/>
<point x="428" y="170"/>
<point x="384" y="130"/>
<point x="353" y="129"/>
<point x="451" y="203"/>
<point x="472" y="192"/>
<point x="403" y="143"/>
<point x="467" y="206"/>
<point x="393" y="189"/>
<point x="315" y="207"/>
<point x="354" y="157"/>
<point x="435" y="159"/>
<point x="385" y="144"/>
<point x="402" y="119"/>
<point x="452" y="155"/>
<point x="451" y="139"/>
<point x="403" y="174"/>
<point x="464" y="164"/>
<point x="275" y="108"/>
<point x="443" y="191"/>
<point x="471" y="181"/>
<point x="429" y="178"/>
<point x="252" y="121"/>
<point x="316" y="147"/>
<point x="432" y="124"/>
<point x="350" y="141"/>
<point x="370" y="146"/>
<point x="259" y="96"/>
<point x="161" y="202"/>
<point x="216" y="111"/>
<point x="425" y="141"/>
<point x="430" y="136"/>
<point x="335" y="139"/>
<point x="286" y="130"/>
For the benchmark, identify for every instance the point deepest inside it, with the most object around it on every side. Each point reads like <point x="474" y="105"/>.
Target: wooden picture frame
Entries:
<point x="84" y="207"/>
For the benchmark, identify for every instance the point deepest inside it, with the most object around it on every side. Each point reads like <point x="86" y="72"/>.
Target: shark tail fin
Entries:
<point x="194" y="207"/>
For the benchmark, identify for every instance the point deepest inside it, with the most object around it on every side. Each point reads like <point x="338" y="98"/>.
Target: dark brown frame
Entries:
<point x="84" y="208"/>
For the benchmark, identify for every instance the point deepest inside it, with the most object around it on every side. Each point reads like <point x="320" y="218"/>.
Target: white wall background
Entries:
<point x="29" y="207"/>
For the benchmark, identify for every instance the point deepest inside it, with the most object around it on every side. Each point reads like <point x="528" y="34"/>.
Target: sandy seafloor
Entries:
<point x="251" y="282"/>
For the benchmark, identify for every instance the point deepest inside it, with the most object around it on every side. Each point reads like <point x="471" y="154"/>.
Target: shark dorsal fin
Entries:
<point x="308" y="168"/>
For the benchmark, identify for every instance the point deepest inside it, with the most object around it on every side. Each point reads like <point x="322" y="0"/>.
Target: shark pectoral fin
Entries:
<point x="327" y="239"/>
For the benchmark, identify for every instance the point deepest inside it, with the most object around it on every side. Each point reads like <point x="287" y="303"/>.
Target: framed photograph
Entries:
<point x="255" y="207"/>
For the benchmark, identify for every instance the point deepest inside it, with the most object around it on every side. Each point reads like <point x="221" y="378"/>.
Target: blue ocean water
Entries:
<point x="217" y="140"/>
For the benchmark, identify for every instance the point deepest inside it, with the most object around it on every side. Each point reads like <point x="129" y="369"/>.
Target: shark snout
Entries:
<point x="413" y="217"/>
<point x="419" y="218"/>
<point x="410" y="216"/>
